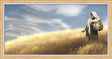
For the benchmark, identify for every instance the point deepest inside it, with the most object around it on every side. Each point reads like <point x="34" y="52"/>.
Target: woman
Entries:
<point x="93" y="26"/>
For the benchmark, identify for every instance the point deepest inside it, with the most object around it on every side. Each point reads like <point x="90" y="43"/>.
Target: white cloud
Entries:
<point x="66" y="10"/>
<point x="18" y="27"/>
<point x="42" y="7"/>
<point x="7" y="18"/>
<point x="35" y="19"/>
<point x="105" y="21"/>
<point x="11" y="34"/>
<point x="70" y="10"/>
<point x="55" y="23"/>
<point x="22" y="27"/>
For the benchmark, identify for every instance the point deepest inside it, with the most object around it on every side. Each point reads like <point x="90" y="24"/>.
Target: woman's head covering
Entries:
<point x="95" y="15"/>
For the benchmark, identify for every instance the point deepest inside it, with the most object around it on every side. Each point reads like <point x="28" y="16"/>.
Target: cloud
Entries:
<point x="57" y="23"/>
<point x="7" y="18"/>
<point x="17" y="27"/>
<point x="42" y="7"/>
<point x="105" y="21"/>
<point x="66" y="10"/>
<point x="54" y="23"/>
<point x="70" y="10"/>
<point x="35" y="19"/>
<point x="30" y="25"/>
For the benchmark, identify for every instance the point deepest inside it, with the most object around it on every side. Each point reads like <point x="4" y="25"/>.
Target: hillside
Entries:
<point x="59" y="42"/>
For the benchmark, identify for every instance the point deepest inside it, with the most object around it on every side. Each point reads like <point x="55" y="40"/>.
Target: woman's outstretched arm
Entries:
<point x="85" y="29"/>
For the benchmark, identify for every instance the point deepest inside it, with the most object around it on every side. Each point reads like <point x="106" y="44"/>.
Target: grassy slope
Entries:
<point x="60" y="42"/>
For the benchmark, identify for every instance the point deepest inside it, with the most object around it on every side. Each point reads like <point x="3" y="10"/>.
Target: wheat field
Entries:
<point x="59" y="42"/>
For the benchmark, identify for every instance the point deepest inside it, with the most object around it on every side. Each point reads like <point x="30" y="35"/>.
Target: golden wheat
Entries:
<point x="59" y="42"/>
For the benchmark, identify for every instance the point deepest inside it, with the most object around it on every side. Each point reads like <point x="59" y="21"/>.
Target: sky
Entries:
<point x="28" y="19"/>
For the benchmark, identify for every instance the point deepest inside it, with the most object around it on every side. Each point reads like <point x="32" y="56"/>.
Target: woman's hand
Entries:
<point x="83" y="31"/>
